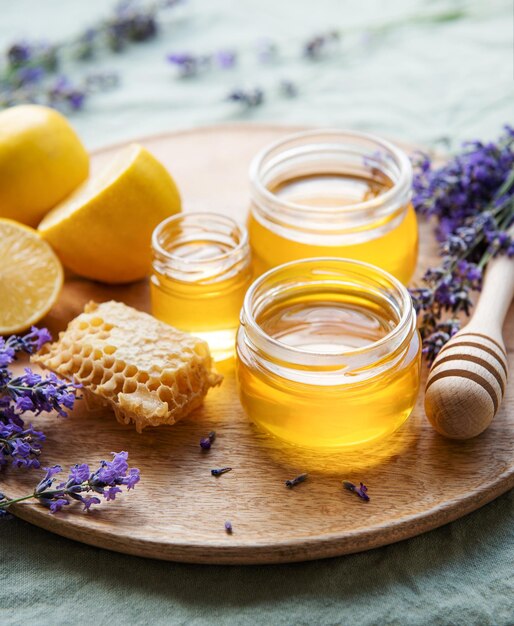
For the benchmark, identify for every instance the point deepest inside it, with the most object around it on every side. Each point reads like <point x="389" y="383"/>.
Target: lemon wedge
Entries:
<point x="41" y="162"/>
<point x="103" y="230"/>
<point x="31" y="277"/>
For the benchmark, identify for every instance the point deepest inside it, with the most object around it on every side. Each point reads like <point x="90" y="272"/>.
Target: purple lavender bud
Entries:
<point x="220" y="471"/>
<point x="18" y="54"/>
<point x="226" y="59"/>
<point x="78" y="474"/>
<point x="7" y="353"/>
<point x="29" y="75"/>
<point x="89" y="500"/>
<point x="296" y="481"/>
<point x="228" y="527"/>
<point x="206" y="442"/>
<point x="48" y="479"/>
<point x="361" y="491"/>
<point x="250" y="98"/>
<point x="110" y="493"/>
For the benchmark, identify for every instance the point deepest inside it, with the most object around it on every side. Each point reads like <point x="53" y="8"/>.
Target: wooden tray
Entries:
<point x="417" y="480"/>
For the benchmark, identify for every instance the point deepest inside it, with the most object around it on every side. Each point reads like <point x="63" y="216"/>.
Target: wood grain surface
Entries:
<point x="417" y="480"/>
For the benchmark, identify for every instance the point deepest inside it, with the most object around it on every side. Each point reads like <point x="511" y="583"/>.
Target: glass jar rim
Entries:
<point x="198" y="217"/>
<point x="404" y="327"/>
<point x="399" y="187"/>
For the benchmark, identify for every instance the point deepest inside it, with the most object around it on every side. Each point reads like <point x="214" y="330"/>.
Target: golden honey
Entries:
<point x="201" y="271"/>
<point x="333" y="193"/>
<point x="328" y="354"/>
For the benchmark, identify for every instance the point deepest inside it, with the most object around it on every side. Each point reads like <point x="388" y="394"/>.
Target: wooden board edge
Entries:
<point x="329" y="546"/>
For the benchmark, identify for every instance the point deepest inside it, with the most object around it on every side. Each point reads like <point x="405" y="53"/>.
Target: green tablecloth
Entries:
<point x="416" y="75"/>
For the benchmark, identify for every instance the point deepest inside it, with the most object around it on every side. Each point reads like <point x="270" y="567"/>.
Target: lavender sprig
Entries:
<point x="472" y="201"/>
<point x="33" y="70"/>
<point x="29" y="343"/>
<point x="106" y="481"/>
<point x="20" y="444"/>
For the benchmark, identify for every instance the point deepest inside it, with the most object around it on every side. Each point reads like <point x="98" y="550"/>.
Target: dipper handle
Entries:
<point x="467" y="381"/>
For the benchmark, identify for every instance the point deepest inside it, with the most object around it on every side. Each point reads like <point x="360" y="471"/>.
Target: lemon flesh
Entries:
<point x="41" y="162"/>
<point x="103" y="230"/>
<point x="31" y="277"/>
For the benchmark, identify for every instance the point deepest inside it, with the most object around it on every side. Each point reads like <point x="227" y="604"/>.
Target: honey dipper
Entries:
<point x="467" y="381"/>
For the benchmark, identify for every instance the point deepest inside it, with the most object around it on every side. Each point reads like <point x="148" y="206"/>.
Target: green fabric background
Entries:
<point x="422" y="80"/>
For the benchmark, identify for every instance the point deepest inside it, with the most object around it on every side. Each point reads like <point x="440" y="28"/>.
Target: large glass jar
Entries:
<point x="333" y="193"/>
<point x="328" y="354"/>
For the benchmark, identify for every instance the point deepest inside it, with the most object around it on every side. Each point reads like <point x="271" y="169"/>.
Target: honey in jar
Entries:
<point x="333" y="193"/>
<point x="201" y="271"/>
<point x="328" y="354"/>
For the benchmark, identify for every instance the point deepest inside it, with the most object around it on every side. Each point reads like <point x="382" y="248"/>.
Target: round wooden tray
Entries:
<point x="417" y="480"/>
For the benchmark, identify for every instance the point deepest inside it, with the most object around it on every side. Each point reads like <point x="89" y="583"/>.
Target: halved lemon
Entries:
<point x="31" y="277"/>
<point x="103" y="230"/>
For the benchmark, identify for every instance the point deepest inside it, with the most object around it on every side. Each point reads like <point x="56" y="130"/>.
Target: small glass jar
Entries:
<point x="328" y="354"/>
<point x="201" y="271"/>
<point x="333" y="193"/>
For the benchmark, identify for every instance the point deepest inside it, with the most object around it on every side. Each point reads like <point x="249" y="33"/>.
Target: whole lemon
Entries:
<point x="41" y="161"/>
<point x="103" y="231"/>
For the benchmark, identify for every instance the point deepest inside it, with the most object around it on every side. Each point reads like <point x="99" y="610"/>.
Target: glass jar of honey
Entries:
<point x="328" y="354"/>
<point x="201" y="271"/>
<point x="333" y="193"/>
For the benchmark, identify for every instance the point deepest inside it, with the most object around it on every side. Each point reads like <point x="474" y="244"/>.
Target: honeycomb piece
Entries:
<point x="149" y="372"/>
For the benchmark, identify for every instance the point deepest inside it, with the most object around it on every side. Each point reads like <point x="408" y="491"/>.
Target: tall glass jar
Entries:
<point x="328" y="354"/>
<point x="333" y="193"/>
<point x="201" y="271"/>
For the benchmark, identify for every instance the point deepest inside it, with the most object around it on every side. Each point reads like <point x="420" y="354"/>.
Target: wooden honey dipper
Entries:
<point x="467" y="381"/>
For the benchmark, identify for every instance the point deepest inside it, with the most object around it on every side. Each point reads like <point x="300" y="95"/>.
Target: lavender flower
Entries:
<point x="319" y="45"/>
<point x="225" y="59"/>
<point x="29" y="393"/>
<point x="18" y="54"/>
<point x="228" y="527"/>
<point x="130" y="24"/>
<point x="20" y="445"/>
<point x="189" y="64"/>
<point x="32" y="392"/>
<point x="220" y="471"/>
<point x="250" y="98"/>
<point x="472" y="200"/>
<point x="361" y="490"/>
<point x="63" y="93"/>
<point x="81" y="483"/>
<point x="206" y="442"/>
<point x="29" y="343"/>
